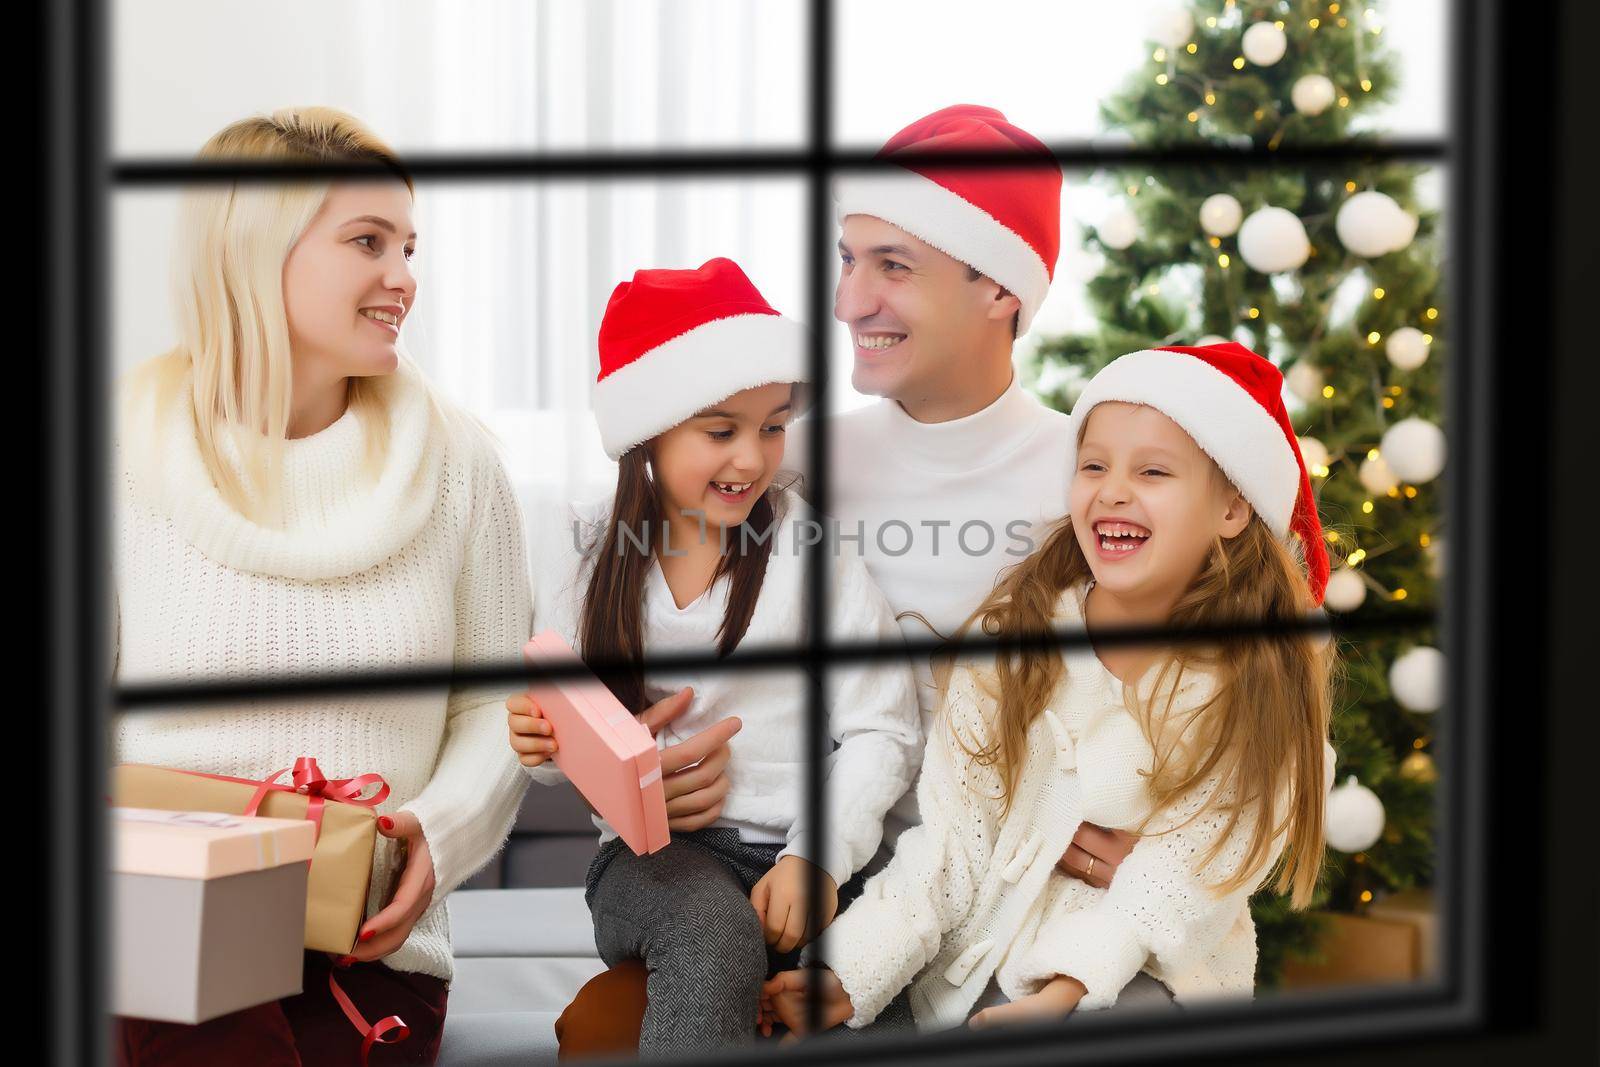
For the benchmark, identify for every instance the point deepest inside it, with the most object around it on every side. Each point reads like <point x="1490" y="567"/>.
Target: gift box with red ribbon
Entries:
<point x="341" y="811"/>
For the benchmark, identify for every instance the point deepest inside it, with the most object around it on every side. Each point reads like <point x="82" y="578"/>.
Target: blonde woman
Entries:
<point x="293" y="498"/>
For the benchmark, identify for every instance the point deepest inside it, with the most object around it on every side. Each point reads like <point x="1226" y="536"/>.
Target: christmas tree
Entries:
<point x="1333" y="272"/>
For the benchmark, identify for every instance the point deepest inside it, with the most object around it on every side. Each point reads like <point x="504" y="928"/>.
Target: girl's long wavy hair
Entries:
<point x="228" y="292"/>
<point x="1260" y="733"/>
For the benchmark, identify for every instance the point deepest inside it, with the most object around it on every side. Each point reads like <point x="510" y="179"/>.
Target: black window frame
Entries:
<point x="78" y="582"/>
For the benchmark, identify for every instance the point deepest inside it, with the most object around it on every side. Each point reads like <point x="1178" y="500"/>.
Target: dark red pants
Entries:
<point x="308" y="1030"/>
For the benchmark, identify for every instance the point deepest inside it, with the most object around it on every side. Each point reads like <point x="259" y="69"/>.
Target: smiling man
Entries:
<point x="952" y="476"/>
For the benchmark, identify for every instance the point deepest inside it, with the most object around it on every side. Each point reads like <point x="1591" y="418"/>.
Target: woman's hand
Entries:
<point x="783" y="998"/>
<point x="1056" y="1000"/>
<point x="1095" y="854"/>
<point x="413" y="892"/>
<point x="693" y="771"/>
<point x="780" y="902"/>
<point x="532" y="736"/>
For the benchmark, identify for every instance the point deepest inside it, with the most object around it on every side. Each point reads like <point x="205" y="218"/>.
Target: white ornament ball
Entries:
<point x="1313" y="452"/>
<point x="1220" y="215"/>
<point x="1407" y="348"/>
<point x="1416" y="679"/>
<point x="1371" y="224"/>
<point x="1119" y="229"/>
<point x="1377" y="477"/>
<point x="1354" y="817"/>
<point x="1171" y="27"/>
<point x="1345" y="592"/>
<point x="1414" y="449"/>
<point x="1304" y="381"/>
<point x="1273" y="239"/>
<point x="1312" y="94"/>
<point x="1264" y="44"/>
<point x="1405" y="229"/>
<point x="1212" y="339"/>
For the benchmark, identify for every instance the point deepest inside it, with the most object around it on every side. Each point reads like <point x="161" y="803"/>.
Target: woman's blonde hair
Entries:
<point x="228" y="288"/>
<point x="1260" y="733"/>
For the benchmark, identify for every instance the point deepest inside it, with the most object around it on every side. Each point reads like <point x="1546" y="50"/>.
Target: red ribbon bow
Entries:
<point x="308" y="780"/>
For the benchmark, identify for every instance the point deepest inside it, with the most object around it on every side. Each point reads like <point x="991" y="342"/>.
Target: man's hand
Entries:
<point x="780" y="903"/>
<point x="783" y="999"/>
<point x="1095" y="854"/>
<point x="693" y="771"/>
<point x="1056" y="1000"/>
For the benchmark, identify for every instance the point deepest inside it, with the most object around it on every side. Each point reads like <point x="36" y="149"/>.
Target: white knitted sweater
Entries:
<point x="872" y="711"/>
<point x="425" y="567"/>
<point x="973" y="893"/>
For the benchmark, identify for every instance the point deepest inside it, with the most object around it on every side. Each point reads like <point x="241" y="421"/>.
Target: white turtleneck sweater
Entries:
<point x="942" y="508"/>
<point x="423" y="567"/>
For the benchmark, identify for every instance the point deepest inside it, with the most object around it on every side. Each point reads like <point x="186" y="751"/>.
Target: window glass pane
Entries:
<point x="1057" y="70"/>
<point x="565" y="75"/>
<point x="947" y="474"/>
<point x="508" y="284"/>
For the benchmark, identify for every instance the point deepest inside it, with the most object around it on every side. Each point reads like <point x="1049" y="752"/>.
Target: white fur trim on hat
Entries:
<point x="1225" y="421"/>
<point x="677" y="378"/>
<point x="957" y="227"/>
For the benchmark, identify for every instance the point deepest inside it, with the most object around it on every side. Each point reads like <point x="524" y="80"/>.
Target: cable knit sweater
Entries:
<point x="872" y="711"/>
<point x="425" y="566"/>
<point x="973" y="893"/>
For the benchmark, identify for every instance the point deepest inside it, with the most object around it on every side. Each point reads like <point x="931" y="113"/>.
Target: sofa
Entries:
<point x="522" y="939"/>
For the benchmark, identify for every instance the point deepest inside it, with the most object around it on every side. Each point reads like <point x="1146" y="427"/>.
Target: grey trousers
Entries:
<point x="685" y="912"/>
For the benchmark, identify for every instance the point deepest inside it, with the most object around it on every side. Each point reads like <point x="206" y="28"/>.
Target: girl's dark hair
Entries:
<point x="611" y="627"/>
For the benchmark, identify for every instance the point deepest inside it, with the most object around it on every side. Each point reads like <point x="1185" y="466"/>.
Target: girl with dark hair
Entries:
<point x="698" y="551"/>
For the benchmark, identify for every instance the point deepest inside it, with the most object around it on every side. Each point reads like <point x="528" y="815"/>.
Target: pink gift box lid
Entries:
<point x="603" y="750"/>
<point x="204" y="844"/>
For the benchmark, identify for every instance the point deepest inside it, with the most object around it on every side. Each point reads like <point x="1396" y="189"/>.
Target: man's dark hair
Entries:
<point x="973" y="274"/>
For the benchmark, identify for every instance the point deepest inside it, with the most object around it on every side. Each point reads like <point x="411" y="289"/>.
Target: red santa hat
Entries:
<point x="674" y="341"/>
<point x="1005" y="223"/>
<point x="1229" y="400"/>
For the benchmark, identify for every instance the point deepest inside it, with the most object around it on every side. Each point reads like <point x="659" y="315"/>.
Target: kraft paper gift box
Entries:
<point x="1358" y="950"/>
<point x="207" y="912"/>
<point x="603" y="750"/>
<point x="341" y="865"/>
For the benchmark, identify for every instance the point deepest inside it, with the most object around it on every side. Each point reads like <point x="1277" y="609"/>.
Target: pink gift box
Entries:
<point x="603" y="750"/>
<point x="207" y="912"/>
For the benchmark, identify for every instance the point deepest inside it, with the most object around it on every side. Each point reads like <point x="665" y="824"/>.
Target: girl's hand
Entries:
<point x="783" y="997"/>
<point x="1095" y="854"/>
<point x="532" y="736"/>
<point x="413" y="892"/>
<point x="780" y="902"/>
<point x="1056" y="1000"/>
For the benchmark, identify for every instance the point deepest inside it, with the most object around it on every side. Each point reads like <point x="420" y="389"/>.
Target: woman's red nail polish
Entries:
<point x="367" y="935"/>
<point x="386" y="822"/>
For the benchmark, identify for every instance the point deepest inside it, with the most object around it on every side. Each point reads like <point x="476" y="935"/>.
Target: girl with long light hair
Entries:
<point x="293" y="498"/>
<point x="1190" y="508"/>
